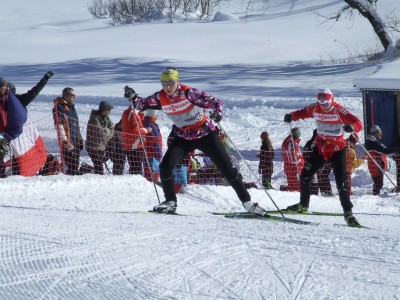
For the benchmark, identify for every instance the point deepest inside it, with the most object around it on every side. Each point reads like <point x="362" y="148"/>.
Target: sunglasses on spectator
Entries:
<point x="72" y="95"/>
<point x="168" y="83"/>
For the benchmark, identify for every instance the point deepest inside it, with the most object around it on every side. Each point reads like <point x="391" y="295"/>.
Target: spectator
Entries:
<point x="307" y="150"/>
<point x="323" y="180"/>
<point x="100" y="130"/>
<point x="133" y="134"/>
<point x="332" y="119"/>
<point x="293" y="160"/>
<point x="396" y="159"/>
<point x="183" y="168"/>
<point x="377" y="160"/>
<point x="68" y="130"/>
<point x="153" y="143"/>
<point x="352" y="161"/>
<point x="30" y="95"/>
<point x="266" y="164"/>
<point x="25" y="100"/>
<point x="3" y="124"/>
<point x="185" y="106"/>
<point x="115" y="150"/>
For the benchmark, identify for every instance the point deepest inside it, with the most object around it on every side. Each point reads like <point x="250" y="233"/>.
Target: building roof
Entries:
<point x="386" y="77"/>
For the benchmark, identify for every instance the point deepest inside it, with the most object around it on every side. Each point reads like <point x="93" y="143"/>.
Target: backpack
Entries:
<point x="51" y="166"/>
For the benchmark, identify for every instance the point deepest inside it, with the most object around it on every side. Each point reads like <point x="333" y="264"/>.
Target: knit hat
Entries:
<point x="169" y="74"/>
<point x="152" y="113"/>
<point x="296" y="133"/>
<point x="354" y="138"/>
<point x="104" y="105"/>
<point x="3" y="82"/>
<point x="325" y="96"/>
<point x="10" y="85"/>
<point x="374" y="129"/>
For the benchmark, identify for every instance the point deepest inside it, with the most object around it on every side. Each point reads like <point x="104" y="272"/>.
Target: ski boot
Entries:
<point x="350" y="219"/>
<point x="166" y="207"/>
<point x="254" y="208"/>
<point x="296" y="208"/>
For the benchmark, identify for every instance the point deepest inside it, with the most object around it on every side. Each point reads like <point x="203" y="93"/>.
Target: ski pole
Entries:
<point x="145" y="151"/>
<point x="375" y="162"/>
<point x="251" y="171"/>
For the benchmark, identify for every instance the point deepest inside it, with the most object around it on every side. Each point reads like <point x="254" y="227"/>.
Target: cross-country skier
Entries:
<point x="192" y="129"/>
<point x="332" y="119"/>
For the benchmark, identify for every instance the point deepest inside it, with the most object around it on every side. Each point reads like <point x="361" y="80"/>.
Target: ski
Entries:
<point x="160" y="213"/>
<point x="146" y="212"/>
<point x="247" y="215"/>
<point x="345" y="225"/>
<point x="312" y="213"/>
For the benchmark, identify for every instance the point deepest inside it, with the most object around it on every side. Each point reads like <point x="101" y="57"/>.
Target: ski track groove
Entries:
<point x="42" y="267"/>
<point x="303" y="281"/>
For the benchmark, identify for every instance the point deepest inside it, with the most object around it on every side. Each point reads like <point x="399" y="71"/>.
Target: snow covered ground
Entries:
<point x="86" y="237"/>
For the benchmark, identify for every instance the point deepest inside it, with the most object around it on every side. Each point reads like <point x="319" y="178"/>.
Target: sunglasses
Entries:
<point x="324" y="99"/>
<point x="168" y="83"/>
<point x="72" y="95"/>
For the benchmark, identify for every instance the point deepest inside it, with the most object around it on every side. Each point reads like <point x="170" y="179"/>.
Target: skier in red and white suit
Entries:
<point x="293" y="160"/>
<point x="332" y="119"/>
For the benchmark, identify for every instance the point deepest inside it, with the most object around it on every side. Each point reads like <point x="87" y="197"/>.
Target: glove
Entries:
<point x="130" y="93"/>
<point x="68" y="146"/>
<point x="288" y="118"/>
<point x="348" y="128"/>
<point x="216" y="116"/>
<point x="48" y="75"/>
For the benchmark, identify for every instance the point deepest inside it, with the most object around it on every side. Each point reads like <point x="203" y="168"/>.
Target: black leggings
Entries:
<point x="211" y="146"/>
<point x="315" y="162"/>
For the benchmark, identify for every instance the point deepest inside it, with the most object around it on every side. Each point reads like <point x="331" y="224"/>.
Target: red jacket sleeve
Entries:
<point x="348" y="118"/>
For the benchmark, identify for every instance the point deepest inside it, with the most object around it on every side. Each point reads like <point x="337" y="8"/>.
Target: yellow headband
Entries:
<point x="170" y="74"/>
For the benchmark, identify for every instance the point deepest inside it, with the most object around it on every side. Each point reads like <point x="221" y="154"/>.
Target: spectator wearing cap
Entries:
<point x="377" y="159"/>
<point x="293" y="160"/>
<point x="352" y="161"/>
<point x="153" y="143"/>
<point x="99" y="131"/>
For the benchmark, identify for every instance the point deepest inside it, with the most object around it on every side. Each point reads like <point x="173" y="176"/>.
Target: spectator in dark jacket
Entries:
<point x="266" y="164"/>
<point x="115" y="150"/>
<point x="99" y="131"/>
<point x="30" y="95"/>
<point x="68" y="131"/>
<point x="377" y="160"/>
<point x="307" y="150"/>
